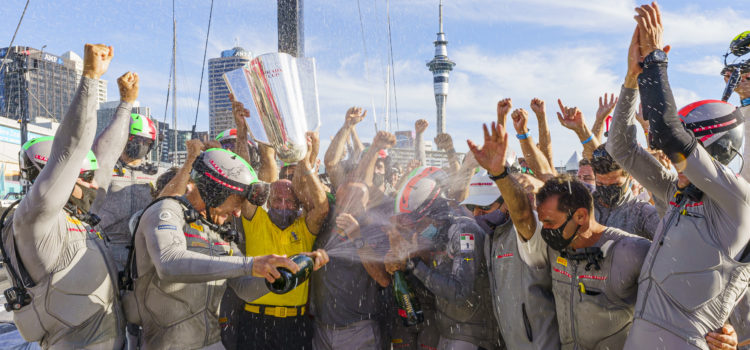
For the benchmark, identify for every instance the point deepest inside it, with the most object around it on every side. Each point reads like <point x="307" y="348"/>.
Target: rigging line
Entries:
<point x="393" y="70"/>
<point x="15" y="33"/>
<point x="203" y="69"/>
<point x="367" y="71"/>
<point x="166" y="108"/>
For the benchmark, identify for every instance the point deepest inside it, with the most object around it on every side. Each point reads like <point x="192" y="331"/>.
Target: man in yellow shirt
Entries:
<point x="280" y="321"/>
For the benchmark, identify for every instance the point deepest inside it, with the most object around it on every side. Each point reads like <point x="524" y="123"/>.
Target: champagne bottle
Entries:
<point x="408" y="306"/>
<point x="289" y="280"/>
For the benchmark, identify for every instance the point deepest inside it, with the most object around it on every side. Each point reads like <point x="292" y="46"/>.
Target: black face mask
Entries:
<point x="84" y="203"/>
<point x="554" y="236"/>
<point x="138" y="147"/>
<point x="610" y="195"/>
<point x="282" y="218"/>
<point x="378" y="179"/>
<point x="489" y="221"/>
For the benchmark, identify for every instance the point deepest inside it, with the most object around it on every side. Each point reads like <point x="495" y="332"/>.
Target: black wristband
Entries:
<point x="500" y="176"/>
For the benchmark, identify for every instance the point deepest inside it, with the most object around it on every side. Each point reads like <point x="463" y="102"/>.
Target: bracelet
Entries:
<point x="524" y="136"/>
<point x="745" y="102"/>
<point x="499" y="176"/>
<point x="587" y="140"/>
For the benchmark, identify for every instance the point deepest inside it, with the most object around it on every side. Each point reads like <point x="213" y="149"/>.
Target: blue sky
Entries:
<point x="574" y="50"/>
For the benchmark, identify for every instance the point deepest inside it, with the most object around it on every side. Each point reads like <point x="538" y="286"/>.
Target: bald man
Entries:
<point x="280" y="321"/>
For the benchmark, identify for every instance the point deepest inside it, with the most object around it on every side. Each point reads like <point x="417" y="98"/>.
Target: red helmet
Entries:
<point x="421" y="193"/>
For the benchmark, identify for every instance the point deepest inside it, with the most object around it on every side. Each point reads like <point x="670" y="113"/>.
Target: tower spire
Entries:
<point x="441" y="16"/>
<point x="440" y="66"/>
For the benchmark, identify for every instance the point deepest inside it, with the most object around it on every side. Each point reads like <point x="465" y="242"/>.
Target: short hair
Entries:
<point x="603" y="163"/>
<point x="571" y="194"/>
<point x="163" y="180"/>
<point x="584" y="162"/>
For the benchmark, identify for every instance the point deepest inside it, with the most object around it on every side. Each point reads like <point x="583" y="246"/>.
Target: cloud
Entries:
<point x="706" y="65"/>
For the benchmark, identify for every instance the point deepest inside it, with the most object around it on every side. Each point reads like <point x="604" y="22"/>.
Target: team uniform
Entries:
<point x="593" y="300"/>
<point x="69" y="272"/>
<point x="522" y="297"/>
<point x="692" y="277"/>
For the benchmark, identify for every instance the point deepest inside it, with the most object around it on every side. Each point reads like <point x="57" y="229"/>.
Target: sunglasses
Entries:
<point x="87" y="175"/>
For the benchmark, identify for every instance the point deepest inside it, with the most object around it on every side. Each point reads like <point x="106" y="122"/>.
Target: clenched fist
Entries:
<point x="128" y="86"/>
<point x="444" y="142"/>
<point x="503" y="108"/>
<point x="420" y="126"/>
<point x="383" y="139"/>
<point x="96" y="59"/>
<point x="520" y="119"/>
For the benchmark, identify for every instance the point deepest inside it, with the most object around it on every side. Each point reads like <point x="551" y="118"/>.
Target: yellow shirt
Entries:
<point x="262" y="237"/>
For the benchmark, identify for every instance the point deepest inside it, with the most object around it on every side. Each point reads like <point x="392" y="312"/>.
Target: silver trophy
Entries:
<point x="284" y="92"/>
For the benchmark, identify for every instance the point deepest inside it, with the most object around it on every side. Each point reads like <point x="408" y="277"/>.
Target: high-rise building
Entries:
<point x="38" y="84"/>
<point x="219" y="107"/>
<point x="441" y="67"/>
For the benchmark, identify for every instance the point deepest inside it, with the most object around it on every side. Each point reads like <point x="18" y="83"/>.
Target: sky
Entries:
<point x="568" y="49"/>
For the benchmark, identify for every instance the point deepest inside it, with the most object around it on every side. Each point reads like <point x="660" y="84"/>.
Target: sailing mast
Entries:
<point x="174" y="85"/>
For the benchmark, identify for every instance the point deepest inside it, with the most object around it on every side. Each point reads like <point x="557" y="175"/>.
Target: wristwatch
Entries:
<point x="500" y="176"/>
<point x="656" y="56"/>
<point x="359" y="243"/>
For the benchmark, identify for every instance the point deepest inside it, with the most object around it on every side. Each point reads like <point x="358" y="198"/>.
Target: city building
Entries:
<point x="10" y="146"/>
<point x="404" y="152"/>
<point x="219" y="107"/>
<point x="441" y="67"/>
<point x="37" y="84"/>
<point x="178" y="156"/>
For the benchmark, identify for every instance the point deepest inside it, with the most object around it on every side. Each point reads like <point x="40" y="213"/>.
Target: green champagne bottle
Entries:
<point x="408" y="306"/>
<point x="289" y="280"/>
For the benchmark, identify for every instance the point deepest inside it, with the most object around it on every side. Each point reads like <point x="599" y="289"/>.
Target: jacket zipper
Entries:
<point x="208" y="295"/>
<point x="572" y="303"/>
<point x="664" y="229"/>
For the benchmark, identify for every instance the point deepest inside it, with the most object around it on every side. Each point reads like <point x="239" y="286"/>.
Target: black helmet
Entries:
<point x="219" y="173"/>
<point x="716" y="125"/>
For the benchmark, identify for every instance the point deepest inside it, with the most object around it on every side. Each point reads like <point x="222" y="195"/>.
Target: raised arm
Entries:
<point x="239" y="113"/>
<point x="419" y="152"/>
<point x="366" y="167"/>
<point x="605" y="109"/>
<point x="335" y="153"/>
<point x="109" y="145"/>
<point x="545" y="140"/>
<point x="357" y="146"/>
<point x="460" y="187"/>
<point x="491" y="156"/>
<point x="178" y="185"/>
<point x="622" y="143"/>
<point x="533" y="155"/>
<point x="444" y="142"/>
<point x="37" y="213"/>
<point x="504" y="107"/>
<point x="309" y="189"/>
<point x="572" y="118"/>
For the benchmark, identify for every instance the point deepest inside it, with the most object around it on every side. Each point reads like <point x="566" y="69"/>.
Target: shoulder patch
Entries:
<point x="562" y="261"/>
<point x="166" y="227"/>
<point x="165" y="215"/>
<point x="196" y="226"/>
<point x="467" y="242"/>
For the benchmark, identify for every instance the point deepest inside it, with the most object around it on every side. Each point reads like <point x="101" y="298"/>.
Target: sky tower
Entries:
<point x="441" y="67"/>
